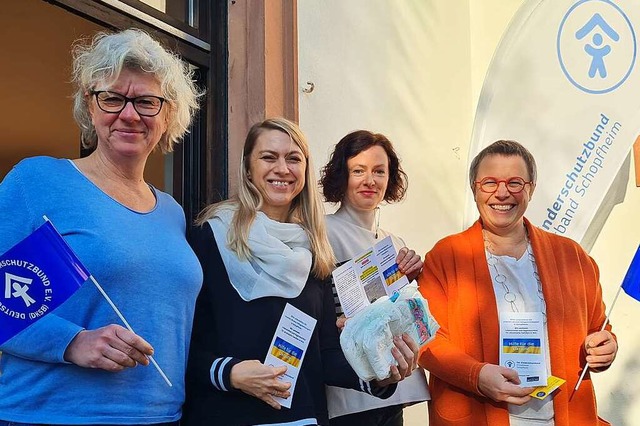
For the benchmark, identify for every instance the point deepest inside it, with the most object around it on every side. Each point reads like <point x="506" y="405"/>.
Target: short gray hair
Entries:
<point x="104" y="57"/>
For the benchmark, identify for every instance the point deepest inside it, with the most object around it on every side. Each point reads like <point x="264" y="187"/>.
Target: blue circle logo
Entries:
<point x="596" y="46"/>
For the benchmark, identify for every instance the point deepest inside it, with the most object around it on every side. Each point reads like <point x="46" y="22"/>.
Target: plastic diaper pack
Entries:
<point x="367" y="338"/>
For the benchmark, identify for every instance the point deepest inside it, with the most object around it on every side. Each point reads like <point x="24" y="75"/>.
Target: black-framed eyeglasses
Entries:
<point x="114" y="103"/>
<point x="513" y="184"/>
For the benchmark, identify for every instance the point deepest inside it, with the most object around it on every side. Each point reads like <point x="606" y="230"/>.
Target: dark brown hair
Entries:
<point x="335" y="175"/>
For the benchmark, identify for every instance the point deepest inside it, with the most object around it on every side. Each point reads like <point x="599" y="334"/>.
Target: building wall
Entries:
<point x="402" y="69"/>
<point x="413" y="70"/>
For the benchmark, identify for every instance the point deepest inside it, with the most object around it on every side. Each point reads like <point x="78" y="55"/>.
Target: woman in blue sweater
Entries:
<point x="79" y="365"/>
<point x="260" y="251"/>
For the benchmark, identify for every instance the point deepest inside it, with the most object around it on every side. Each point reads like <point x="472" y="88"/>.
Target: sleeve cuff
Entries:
<point x="46" y="340"/>
<point x="382" y="392"/>
<point x="220" y="373"/>
<point x="71" y="335"/>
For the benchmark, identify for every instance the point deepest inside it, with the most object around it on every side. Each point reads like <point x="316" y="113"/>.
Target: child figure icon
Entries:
<point x="596" y="52"/>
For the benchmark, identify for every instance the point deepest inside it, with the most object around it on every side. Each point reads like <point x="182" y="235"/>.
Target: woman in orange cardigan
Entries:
<point x="505" y="264"/>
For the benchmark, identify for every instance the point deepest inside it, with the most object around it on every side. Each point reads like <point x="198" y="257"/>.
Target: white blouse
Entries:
<point x="521" y="281"/>
<point x="351" y="232"/>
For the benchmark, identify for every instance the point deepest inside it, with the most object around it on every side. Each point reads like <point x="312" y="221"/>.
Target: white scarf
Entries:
<point x="280" y="257"/>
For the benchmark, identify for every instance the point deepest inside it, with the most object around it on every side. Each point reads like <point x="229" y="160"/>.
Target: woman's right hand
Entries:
<point x="501" y="385"/>
<point x="111" y="348"/>
<point x="341" y="322"/>
<point x="261" y="381"/>
<point x="405" y="352"/>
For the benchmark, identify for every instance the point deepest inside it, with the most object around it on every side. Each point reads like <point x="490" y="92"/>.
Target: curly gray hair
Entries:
<point x="102" y="60"/>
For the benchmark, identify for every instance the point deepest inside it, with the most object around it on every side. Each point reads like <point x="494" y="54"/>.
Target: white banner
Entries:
<point x="565" y="83"/>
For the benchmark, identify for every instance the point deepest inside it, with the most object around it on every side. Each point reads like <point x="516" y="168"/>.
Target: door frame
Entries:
<point x="200" y="167"/>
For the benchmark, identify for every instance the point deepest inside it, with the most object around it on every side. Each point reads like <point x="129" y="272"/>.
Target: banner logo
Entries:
<point x="19" y="286"/>
<point x="596" y="46"/>
<point x="27" y="290"/>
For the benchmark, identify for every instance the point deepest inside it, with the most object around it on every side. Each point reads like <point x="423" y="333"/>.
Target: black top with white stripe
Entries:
<point x="228" y="330"/>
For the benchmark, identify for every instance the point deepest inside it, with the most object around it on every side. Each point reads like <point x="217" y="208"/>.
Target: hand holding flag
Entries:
<point x="631" y="286"/>
<point x="111" y="348"/>
<point x="601" y="348"/>
<point x="40" y="273"/>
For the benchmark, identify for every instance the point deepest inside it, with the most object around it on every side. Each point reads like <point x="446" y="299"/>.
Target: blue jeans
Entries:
<point x="3" y="423"/>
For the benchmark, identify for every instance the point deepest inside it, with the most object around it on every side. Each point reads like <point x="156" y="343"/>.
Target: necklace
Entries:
<point x="499" y="278"/>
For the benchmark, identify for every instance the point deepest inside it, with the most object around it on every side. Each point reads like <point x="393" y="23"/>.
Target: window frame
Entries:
<point x="200" y="170"/>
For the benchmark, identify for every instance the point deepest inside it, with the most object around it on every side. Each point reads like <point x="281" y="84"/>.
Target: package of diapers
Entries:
<point x="367" y="338"/>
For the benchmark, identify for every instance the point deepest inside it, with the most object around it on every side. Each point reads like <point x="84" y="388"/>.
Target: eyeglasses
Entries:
<point x="514" y="184"/>
<point x="114" y="103"/>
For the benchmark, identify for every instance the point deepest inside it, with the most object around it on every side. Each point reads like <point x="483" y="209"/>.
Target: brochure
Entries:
<point x="367" y="277"/>
<point x="289" y="346"/>
<point x="522" y="346"/>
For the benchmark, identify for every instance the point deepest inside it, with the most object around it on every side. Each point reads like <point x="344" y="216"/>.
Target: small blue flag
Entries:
<point x="36" y="276"/>
<point x="631" y="283"/>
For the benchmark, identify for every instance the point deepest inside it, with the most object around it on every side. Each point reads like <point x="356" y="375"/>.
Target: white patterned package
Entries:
<point x="367" y="338"/>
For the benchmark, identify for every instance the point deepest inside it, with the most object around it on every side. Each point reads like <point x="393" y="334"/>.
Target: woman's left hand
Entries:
<point x="406" y="354"/>
<point x="409" y="263"/>
<point x="601" y="349"/>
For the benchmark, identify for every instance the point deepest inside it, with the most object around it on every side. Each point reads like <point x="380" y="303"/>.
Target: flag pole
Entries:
<point x="116" y="310"/>
<point x="631" y="287"/>
<point x="124" y="321"/>
<point x="606" y="321"/>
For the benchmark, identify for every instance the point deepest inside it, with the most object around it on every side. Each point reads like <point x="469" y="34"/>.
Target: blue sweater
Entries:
<point x="143" y="262"/>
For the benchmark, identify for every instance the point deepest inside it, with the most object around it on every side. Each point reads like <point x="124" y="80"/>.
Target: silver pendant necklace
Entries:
<point x="499" y="278"/>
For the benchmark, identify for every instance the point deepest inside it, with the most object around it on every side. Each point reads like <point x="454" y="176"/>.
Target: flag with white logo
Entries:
<point x="36" y="276"/>
<point x="563" y="82"/>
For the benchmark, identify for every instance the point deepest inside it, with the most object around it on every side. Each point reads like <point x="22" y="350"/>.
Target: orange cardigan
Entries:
<point x="457" y="283"/>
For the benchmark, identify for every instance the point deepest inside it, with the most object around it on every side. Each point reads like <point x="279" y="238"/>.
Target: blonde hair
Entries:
<point x="306" y="209"/>
<point x="102" y="60"/>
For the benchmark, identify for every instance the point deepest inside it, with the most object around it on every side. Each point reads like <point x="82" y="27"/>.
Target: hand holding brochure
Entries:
<point x="289" y="346"/>
<point x="367" y="277"/>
